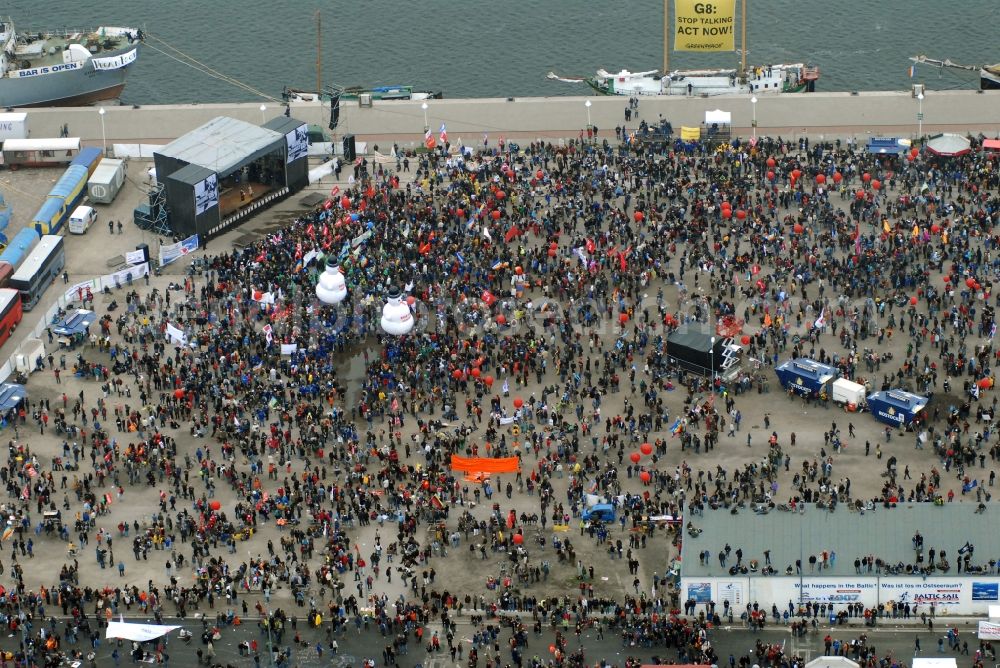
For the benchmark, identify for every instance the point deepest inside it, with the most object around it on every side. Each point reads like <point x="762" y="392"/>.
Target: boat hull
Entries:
<point x="79" y="87"/>
<point x="989" y="82"/>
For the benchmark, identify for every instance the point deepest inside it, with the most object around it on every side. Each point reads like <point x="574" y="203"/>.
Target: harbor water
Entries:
<point x="476" y="48"/>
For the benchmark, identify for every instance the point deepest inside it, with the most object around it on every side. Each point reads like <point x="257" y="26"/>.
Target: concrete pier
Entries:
<point x="814" y="114"/>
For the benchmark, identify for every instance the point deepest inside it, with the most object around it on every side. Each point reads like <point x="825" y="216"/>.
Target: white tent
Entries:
<point x="138" y="632"/>
<point x="718" y="116"/>
<point x="919" y="662"/>
<point x="831" y="662"/>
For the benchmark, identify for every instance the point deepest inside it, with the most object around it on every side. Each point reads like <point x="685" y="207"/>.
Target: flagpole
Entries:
<point x="666" y="37"/>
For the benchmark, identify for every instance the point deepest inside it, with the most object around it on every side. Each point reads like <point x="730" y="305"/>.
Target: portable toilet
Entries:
<point x="806" y="377"/>
<point x="897" y="407"/>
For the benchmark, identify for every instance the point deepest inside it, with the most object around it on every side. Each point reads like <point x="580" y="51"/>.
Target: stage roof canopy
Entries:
<point x="223" y="144"/>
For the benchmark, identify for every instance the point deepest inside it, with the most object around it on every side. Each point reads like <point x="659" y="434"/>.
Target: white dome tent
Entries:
<point x="332" y="287"/>
<point x="396" y="317"/>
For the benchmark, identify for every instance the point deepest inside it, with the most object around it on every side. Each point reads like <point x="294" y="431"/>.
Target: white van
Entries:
<point x="83" y="217"/>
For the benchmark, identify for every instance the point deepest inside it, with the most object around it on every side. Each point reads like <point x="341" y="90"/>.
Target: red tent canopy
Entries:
<point x="991" y="144"/>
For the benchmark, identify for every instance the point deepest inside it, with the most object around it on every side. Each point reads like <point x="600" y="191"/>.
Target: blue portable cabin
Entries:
<point x="807" y="377"/>
<point x="62" y="200"/>
<point x="897" y="407"/>
<point x="50" y="216"/>
<point x="18" y="248"/>
<point x="88" y="157"/>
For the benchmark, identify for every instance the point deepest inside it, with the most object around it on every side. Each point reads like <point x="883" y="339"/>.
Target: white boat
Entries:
<point x="783" y="78"/>
<point x="780" y="78"/>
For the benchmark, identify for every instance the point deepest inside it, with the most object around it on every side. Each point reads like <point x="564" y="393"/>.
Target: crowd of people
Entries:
<point x="275" y="430"/>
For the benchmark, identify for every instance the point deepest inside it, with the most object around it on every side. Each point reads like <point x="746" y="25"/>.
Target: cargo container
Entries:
<point x="106" y="181"/>
<point x="13" y="126"/>
<point x="19" y="247"/>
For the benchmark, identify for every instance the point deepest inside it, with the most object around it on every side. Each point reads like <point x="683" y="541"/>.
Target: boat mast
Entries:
<point x="666" y="36"/>
<point x="319" y="53"/>
<point x="743" y="39"/>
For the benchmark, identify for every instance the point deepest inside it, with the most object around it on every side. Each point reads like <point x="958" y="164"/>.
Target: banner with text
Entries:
<point x="705" y="26"/>
<point x="171" y="252"/>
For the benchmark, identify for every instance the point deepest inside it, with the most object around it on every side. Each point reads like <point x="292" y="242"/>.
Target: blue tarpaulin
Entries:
<point x="11" y="394"/>
<point x="896" y="407"/>
<point x="75" y="322"/>
<point x="806" y="377"/>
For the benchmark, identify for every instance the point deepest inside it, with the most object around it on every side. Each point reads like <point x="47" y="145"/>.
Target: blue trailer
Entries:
<point x="62" y="200"/>
<point x="19" y="247"/>
<point x="897" y="407"/>
<point x="807" y="377"/>
<point x="88" y="157"/>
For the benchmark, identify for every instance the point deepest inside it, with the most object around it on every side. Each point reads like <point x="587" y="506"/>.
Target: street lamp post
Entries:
<point x="263" y="108"/>
<point x="712" y="363"/>
<point x="753" y="103"/>
<point x="920" y="115"/>
<point x="587" y="104"/>
<point x="424" y="107"/>
<point x="104" y="136"/>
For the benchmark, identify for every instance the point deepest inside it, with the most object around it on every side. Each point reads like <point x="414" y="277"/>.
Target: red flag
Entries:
<point x="511" y="233"/>
<point x="429" y="140"/>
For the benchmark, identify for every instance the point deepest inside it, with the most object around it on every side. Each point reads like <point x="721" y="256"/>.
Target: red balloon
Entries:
<point x="866" y="177"/>
<point x="745" y="340"/>
<point x="837" y="177"/>
<point x="913" y="301"/>
<point x="518" y="539"/>
<point x="489" y="381"/>
<point x="178" y="393"/>
<point x="947" y="279"/>
<point x="727" y="205"/>
<point x="411" y="300"/>
<point x="727" y="213"/>
<point x="741" y="214"/>
<point x="638" y="216"/>
<point x="970" y="282"/>
<point x="770" y="175"/>
<point x="796" y="174"/>
<point x="552" y="252"/>
<point x="476" y="373"/>
<point x="214" y="505"/>
<point x="518" y="402"/>
<point x="460" y="213"/>
<point x="821" y="179"/>
<point x="635" y="457"/>
<point x="552" y="649"/>
<point x="501" y="195"/>
<point x="501" y="319"/>
<point x="984" y="383"/>
<point x="771" y="162"/>
<point x="645" y="477"/>
<point x="539" y="174"/>
<point x="345" y="202"/>
<point x="914" y="151"/>
<point x="623" y="318"/>
<point x="496" y="214"/>
<point x="798" y="228"/>
<point x="646" y="449"/>
<point x="876" y="184"/>
<point x="935" y="228"/>
<point x="457" y="374"/>
<point x="860" y="194"/>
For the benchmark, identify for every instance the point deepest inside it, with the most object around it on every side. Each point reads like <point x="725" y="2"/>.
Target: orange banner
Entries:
<point x="485" y="464"/>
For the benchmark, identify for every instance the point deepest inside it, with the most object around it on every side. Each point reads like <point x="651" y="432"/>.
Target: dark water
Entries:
<point x="474" y="48"/>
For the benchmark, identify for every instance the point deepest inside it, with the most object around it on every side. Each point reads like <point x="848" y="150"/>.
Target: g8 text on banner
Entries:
<point x="705" y="26"/>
